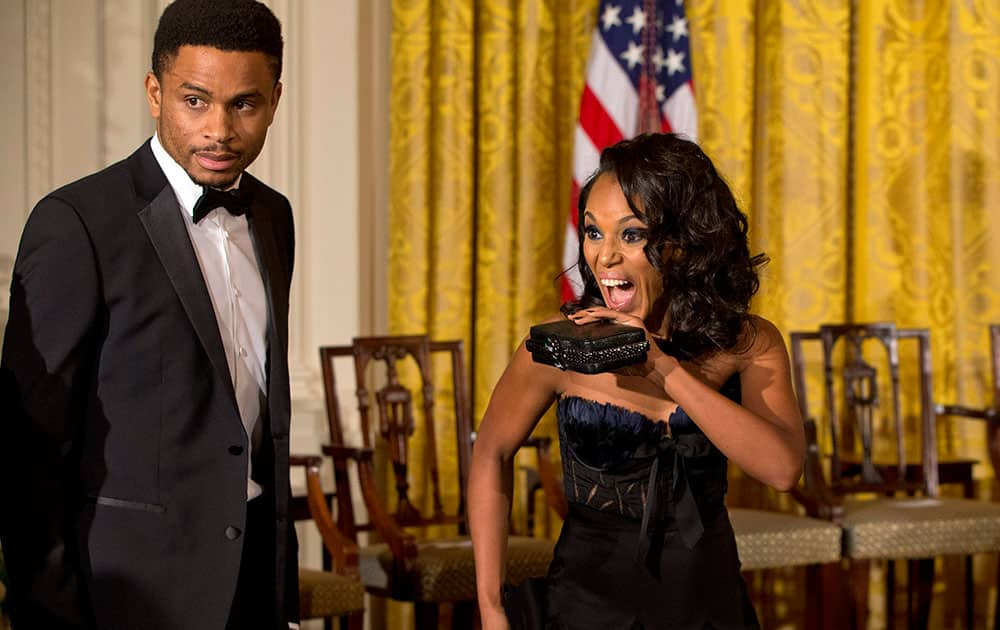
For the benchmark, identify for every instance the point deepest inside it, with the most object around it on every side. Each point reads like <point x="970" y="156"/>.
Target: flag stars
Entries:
<point x="675" y="62"/>
<point x="637" y="20"/>
<point x="611" y="17"/>
<point x="679" y="28"/>
<point x="659" y="61"/>
<point x="633" y="55"/>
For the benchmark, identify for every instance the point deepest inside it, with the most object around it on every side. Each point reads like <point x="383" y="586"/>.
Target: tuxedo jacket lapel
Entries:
<point x="165" y="227"/>
<point x="273" y="269"/>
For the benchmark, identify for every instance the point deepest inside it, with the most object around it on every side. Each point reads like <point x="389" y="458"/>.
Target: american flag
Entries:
<point x="638" y="80"/>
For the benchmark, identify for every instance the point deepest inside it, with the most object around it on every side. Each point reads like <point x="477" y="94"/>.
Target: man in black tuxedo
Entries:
<point x="145" y="397"/>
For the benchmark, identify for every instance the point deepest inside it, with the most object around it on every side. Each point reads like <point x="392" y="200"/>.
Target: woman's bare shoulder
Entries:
<point x="525" y="369"/>
<point x="762" y="339"/>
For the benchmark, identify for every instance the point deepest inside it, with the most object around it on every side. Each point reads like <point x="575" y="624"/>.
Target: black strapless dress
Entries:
<point x="647" y="543"/>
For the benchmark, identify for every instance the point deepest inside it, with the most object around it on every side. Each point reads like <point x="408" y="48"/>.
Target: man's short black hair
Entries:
<point x="242" y="25"/>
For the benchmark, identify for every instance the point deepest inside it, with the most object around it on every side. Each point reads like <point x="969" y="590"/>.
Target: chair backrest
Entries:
<point x="390" y="423"/>
<point x="346" y="518"/>
<point x="865" y="391"/>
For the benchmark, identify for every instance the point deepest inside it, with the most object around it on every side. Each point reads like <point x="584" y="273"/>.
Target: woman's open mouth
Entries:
<point x="619" y="292"/>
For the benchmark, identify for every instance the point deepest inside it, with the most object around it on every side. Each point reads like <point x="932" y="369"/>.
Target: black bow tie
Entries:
<point x="235" y="201"/>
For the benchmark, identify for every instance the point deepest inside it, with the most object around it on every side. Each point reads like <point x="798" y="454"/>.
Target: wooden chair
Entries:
<point x="870" y="477"/>
<point x="329" y="594"/>
<point x="409" y="564"/>
<point x="991" y="416"/>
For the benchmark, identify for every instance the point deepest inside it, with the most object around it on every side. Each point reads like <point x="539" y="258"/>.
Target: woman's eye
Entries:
<point x="633" y="236"/>
<point x="591" y="232"/>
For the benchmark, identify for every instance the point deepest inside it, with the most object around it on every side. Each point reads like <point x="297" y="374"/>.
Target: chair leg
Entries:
<point x="354" y="621"/>
<point x="996" y="605"/>
<point x="826" y="597"/>
<point x="425" y="615"/>
<point x="814" y="593"/>
<point x="463" y="615"/>
<point x="970" y="594"/>
<point x="890" y="594"/>
<point x="860" y="576"/>
<point x="922" y="584"/>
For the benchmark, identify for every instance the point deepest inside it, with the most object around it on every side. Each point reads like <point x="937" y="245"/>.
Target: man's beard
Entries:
<point x="221" y="186"/>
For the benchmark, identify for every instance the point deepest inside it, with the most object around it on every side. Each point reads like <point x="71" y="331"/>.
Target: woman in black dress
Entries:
<point x="647" y="542"/>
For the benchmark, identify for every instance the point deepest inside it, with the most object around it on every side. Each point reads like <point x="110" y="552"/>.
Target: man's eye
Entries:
<point x="193" y="101"/>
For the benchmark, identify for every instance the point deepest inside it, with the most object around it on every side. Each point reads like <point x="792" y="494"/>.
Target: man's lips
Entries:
<point x="215" y="161"/>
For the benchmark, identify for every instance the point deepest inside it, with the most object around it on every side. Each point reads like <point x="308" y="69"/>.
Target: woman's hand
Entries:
<point x="597" y="313"/>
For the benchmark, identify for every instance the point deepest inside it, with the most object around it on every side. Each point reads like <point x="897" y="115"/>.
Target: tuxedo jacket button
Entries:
<point x="232" y="533"/>
<point x="235" y="449"/>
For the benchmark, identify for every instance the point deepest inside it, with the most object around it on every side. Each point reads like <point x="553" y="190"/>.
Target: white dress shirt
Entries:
<point x="229" y="266"/>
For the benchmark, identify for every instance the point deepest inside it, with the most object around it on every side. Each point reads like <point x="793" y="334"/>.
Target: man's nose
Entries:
<point x="219" y="125"/>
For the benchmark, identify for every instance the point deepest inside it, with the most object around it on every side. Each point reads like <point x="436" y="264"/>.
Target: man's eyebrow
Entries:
<point x="247" y="95"/>
<point x="195" y="88"/>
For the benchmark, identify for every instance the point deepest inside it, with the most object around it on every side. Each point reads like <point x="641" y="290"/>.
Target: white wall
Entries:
<point x="73" y="102"/>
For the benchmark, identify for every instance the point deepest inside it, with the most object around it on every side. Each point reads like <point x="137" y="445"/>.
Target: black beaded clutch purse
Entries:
<point x="588" y="348"/>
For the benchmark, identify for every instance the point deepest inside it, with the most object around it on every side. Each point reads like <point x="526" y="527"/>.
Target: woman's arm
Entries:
<point x="764" y="434"/>
<point x="519" y="399"/>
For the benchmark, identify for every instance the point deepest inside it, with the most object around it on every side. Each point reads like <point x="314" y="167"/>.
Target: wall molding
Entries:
<point x="38" y="96"/>
<point x="6" y="275"/>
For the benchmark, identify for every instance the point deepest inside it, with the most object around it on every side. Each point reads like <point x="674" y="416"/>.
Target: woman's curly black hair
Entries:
<point x="697" y="239"/>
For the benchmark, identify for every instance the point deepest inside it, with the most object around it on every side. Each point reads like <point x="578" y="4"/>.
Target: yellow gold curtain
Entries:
<point x="927" y="154"/>
<point x="484" y="100"/>
<point x="862" y="138"/>
<point x="772" y="92"/>
<point x="927" y="185"/>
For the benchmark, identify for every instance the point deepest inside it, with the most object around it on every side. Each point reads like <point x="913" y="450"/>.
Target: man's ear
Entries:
<point x="154" y="96"/>
<point x="275" y="97"/>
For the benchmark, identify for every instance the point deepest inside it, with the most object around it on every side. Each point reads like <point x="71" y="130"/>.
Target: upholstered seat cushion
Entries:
<point x="919" y="528"/>
<point x="445" y="571"/>
<point x="323" y="594"/>
<point x="767" y="539"/>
